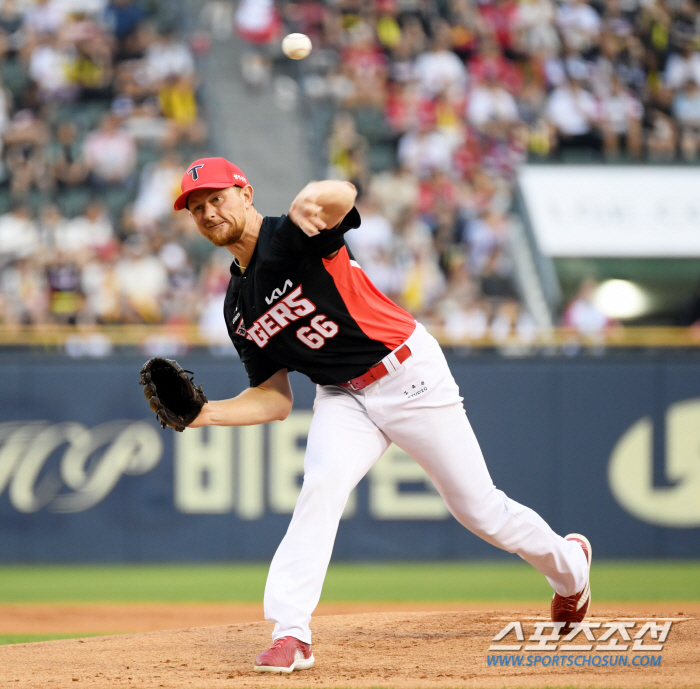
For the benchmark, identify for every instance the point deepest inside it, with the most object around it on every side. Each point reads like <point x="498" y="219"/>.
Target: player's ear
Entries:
<point x="247" y="193"/>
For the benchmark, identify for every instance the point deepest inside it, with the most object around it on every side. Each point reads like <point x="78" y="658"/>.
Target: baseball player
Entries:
<point x="298" y="301"/>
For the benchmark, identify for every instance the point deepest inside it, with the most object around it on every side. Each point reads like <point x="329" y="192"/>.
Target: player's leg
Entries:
<point x="342" y="446"/>
<point x="433" y="428"/>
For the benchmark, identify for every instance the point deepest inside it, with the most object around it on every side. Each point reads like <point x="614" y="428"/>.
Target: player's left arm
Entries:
<point x="322" y="205"/>
<point x="270" y="401"/>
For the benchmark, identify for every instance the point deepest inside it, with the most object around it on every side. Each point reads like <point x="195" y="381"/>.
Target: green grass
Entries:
<point x="447" y="581"/>
<point x="30" y="638"/>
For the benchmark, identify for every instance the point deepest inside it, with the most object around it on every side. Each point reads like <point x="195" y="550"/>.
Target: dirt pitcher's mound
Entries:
<point x="403" y="650"/>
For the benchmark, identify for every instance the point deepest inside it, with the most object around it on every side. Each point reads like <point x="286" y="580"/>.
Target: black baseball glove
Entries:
<point x="171" y="393"/>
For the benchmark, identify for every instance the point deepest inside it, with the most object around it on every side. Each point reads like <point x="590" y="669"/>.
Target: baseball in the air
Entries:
<point x="296" y="46"/>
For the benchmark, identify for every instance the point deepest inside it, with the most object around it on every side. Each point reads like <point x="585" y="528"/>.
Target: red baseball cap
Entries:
<point x="209" y="173"/>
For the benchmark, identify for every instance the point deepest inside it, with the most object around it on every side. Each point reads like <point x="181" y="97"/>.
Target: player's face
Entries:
<point x="220" y="214"/>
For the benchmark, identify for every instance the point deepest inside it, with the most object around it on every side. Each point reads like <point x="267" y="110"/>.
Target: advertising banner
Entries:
<point x="607" y="447"/>
<point x="613" y="210"/>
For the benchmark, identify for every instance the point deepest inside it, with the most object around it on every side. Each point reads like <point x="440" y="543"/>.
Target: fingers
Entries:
<point x="305" y="216"/>
<point x="311" y="208"/>
<point x="316" y="222"/>
<point x="306" y="208"/>
<point x="304" y="211"/>
<point x="308" y="228"/>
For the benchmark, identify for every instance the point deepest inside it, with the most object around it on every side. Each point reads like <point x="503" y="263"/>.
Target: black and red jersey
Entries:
<point x="294" y="308"/>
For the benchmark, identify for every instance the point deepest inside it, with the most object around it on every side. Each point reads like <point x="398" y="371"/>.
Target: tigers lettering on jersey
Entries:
<point x="290" y="309"/>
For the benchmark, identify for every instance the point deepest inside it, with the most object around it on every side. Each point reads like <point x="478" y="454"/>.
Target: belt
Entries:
<point x="376" y="372"/>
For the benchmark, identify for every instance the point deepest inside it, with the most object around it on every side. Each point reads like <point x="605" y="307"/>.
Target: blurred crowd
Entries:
<point x="99" y="113"/>
<point x="428" y="106"/>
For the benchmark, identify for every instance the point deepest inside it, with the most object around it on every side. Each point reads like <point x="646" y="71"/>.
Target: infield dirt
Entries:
<point x="388" y="649"/>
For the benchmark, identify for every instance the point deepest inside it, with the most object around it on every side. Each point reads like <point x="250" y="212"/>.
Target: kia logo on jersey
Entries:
<point x="277" y="292"/>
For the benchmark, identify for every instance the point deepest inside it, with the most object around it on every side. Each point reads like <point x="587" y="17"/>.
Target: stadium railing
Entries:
<point x="57" y="336"/>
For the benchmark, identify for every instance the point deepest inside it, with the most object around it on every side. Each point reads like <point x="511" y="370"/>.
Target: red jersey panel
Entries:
<point x="376" y="315"/>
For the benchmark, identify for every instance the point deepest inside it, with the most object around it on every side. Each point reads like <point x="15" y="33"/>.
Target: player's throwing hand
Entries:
<point x="321" y="205"/>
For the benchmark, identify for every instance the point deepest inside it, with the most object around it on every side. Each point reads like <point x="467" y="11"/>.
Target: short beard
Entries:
<point x="224" y="237"/>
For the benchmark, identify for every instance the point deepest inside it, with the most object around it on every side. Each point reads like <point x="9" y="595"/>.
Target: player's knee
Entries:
<point x="322" y="484"/>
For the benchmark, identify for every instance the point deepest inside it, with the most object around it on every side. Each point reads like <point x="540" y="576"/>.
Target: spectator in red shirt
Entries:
<point x="490" y="61"/>
<point x="110" y="153"/>
<point x="499" y="17"/>
<point x="363" y="56"/>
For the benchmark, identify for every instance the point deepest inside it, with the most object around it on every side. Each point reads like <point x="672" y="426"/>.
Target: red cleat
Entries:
<point x="572" y="609"/>
<point x="285" y="655"/>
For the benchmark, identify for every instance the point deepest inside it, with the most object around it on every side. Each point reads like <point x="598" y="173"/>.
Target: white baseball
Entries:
<point x="296" y="46"/>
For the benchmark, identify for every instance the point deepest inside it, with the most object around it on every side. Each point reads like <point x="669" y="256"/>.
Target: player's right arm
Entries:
<point x="319" y="218"/>
<point x="322" y="205"/>
<point x="269" y="401"/>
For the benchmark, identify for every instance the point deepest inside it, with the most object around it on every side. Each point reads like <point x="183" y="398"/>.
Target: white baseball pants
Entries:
<point x="350" y="431"/>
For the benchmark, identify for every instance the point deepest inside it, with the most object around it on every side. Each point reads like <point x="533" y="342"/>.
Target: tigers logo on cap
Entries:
<point x="193" y="171"/>
<point x="209" y="173"/>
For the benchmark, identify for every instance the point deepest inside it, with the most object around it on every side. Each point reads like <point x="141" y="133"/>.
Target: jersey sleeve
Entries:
<point x="258" y="365"/>
<point x="289" y="239"/>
